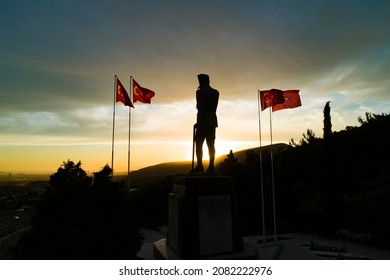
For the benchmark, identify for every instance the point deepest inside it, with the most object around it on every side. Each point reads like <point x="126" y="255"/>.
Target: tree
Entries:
<point x="230" y="166"/>
<point x="328" y="140"/>
<point x="103" y="178"/>
<point x="331" y="196"/>
<point x="77" y="220"/>
<point x="69" y="175"/>
<point x="307" y="138"/>
<point x="369" y="118"/>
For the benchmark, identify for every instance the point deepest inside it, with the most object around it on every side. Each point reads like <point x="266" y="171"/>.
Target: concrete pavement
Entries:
<point x="294" y="246"/>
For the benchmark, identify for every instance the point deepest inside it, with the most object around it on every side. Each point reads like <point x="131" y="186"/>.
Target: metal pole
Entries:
<point x="272" y="176"/>
<point x="128" y="144"/>
<point x="113" y="125"/>
<point x="261" y="170"/>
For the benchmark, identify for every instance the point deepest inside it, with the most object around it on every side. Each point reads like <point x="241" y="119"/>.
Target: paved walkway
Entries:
<point x="150" y="236"/>
<point x="295" y="246"/>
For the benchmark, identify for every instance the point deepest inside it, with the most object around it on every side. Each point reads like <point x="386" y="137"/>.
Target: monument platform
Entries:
<point x="203" y="219"/>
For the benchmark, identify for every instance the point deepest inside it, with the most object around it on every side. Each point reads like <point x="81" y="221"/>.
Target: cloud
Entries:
<point x="78" y="126"/>
<point x="58" y="61"/>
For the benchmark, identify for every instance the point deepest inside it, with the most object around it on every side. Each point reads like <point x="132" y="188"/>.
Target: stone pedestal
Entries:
<point x="203" y="218"/>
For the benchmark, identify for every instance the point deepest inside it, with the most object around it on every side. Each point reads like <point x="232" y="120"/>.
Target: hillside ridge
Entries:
<point x="155" y="172"/>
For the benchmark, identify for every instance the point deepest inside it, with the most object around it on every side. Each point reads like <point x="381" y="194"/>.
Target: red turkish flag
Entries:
<point x="122" y="95"/>
<point x="141" y="94"/>
<point x="269" y="98"/>
<point x="291" y="100"/>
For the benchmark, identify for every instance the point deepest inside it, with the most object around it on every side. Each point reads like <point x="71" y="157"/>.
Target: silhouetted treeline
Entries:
<point x="343" y="191"/>
<point x="80" y="217"/>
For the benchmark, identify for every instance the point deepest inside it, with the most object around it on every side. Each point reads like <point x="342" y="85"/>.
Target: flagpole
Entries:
<point x="128" y="145"/>
<point x="261" y="169"/>
<point x="272" y="176"/>
<point x="113" y="125"/>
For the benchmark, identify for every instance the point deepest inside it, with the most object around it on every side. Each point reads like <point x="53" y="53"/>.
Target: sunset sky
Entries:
<point x="58" y="60"/>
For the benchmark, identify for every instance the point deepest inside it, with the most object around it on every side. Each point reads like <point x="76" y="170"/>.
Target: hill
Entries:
<point x="241" y="155"/>
<point x="152" y="173"/>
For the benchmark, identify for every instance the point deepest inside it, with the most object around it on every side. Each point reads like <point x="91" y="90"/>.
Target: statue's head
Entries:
<point x="203" y="80"/>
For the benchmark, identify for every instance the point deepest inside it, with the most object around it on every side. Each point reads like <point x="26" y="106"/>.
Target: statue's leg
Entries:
<point x="210" y="140"/>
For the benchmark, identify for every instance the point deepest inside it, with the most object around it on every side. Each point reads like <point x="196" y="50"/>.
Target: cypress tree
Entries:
<point x="328" y="141"/>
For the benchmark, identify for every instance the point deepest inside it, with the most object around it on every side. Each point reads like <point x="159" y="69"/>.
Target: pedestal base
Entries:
<point x="203" y="218"/>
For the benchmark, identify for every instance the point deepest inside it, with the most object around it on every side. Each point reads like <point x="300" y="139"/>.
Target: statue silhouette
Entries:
<point x="206" y="121"/>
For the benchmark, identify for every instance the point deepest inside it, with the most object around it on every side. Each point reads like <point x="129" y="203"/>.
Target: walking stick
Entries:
<point x="193" y="147"/>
